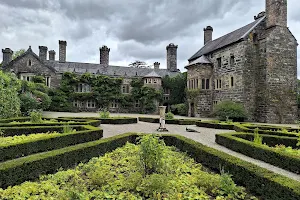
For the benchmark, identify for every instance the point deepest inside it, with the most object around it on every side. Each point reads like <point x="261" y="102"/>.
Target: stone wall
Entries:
<point x="172" y="57"/>
<point x="281" y="76"/>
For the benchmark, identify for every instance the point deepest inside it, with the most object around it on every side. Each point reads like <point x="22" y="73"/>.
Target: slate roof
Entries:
<point x="201" y="60"/>
<point x="111" y="70"/>
<point x="152" y="74"/>
<point x="230" y="38"/>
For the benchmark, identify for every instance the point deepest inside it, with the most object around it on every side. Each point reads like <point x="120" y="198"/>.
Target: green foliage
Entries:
<point x="151" y="153"/>
<point x="117" y="175"/>
<point x="38" y="79"/>
<point x="104" y="114"/>
<point x="36" y="117"/>
<point x="139" y="64"/>
<point x="180" y="109"/>
<point x="28" y="102"/>
<point x="68" y="129"/>
<point x="230" y="110"/>
<point x="257" y="138"/>
<point x="9" y="100"/>
<point x="43" y="99"/>
<point x="169" y="115"/>
<point x="60" y="101"/>
<point x="177" y="87"/>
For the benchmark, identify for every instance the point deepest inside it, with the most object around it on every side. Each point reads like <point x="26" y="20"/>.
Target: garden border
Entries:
<point x="113" y="120"/>
<point x="248" y="148"/>
<point x="169" y="121"/>
<point x="257" y="180"/>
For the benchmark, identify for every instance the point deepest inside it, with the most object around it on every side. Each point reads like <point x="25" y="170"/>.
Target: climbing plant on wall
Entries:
<point x="177" y="86"/>
<point x="105" y="89"/>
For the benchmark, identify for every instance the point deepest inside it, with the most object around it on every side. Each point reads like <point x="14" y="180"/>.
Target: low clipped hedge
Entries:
<point x="278" y="132"/>
<point x="257" y="180"/>
<point x="169" y="121"/>
<point x="211" y="124"/>
<point x="93" y="122"/>
<point x="282" y="160"/>
<point x="112" y="120"/>
<point x="25" y="130"/>
<point x="89" y="133"/>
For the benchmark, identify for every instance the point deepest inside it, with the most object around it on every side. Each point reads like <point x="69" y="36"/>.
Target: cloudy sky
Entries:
<point x="132" y="29"/>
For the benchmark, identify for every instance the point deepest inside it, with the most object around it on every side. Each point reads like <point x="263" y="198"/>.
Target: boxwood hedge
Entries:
<point x="261" y="152"/>
<point x="169" y="121"/>
<point x="88" y="133"/>
<point x="259" y="181"/>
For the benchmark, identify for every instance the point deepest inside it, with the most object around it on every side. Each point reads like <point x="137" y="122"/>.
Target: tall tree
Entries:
<point x="139" y="64"/>
<point x="18" y="53"/>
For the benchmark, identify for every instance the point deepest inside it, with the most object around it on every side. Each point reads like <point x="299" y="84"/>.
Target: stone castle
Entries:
<point x="255" y="65"/>
<point x="30" y="64"/>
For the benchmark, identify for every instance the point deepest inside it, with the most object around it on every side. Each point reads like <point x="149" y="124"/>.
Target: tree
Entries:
<point x="18" y="53"/>
<point x="139" y="64"/>
<point x="9" y="100"/>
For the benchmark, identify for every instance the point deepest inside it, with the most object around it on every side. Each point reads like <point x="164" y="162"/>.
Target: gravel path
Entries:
<point x="206" y="136"/>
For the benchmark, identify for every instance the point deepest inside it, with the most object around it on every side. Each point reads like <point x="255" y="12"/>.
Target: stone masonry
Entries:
<point x="255" y="65"/>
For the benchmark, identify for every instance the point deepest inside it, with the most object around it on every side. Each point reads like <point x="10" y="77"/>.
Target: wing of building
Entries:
<point x="255" y="65"/>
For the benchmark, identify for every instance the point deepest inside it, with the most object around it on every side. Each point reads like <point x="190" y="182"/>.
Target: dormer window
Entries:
<point x="29" y="63"/>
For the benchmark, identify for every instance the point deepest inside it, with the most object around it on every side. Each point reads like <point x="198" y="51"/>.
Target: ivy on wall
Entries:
<point x="177" y="87"/>
<point x="105" y="89"/>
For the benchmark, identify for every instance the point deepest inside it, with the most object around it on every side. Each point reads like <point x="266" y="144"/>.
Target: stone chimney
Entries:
<point x="7" y="55"/>
<point x="156" y="65"/>
<point x="43" y="53"/>
<point x="52" y="55"/>
<point x="104" y="55"/>
<point x="62" y="50"/>
<point x="172" y="57"/>
<point x="276" y="12"/>
<point x="208" y="31"/>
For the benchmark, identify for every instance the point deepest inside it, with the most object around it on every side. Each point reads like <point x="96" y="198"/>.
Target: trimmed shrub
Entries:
<point x="28" y="102"/>
<point x="104" y="114"/>
<point x="89" y="133"/>
<point x="211" y="124"/>
<point x="230" y="110"/>
<point x="261" y="152"/>
<point x="257" y="180"/>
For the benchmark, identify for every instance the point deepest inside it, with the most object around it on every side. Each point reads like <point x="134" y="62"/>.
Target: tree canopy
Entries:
<point x="139" y="64"/>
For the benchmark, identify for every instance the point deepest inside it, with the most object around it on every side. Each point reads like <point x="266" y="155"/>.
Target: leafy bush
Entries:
<point x="43" y="99"/>
<point x="230" y="110"/>
<point x="28" y="102"/>
<point x="104" y="114"/>
<point x="151" y="153"/>
<point x="169" y="115"/>
<point x="180" y="109"/>
<point x="67" y="128"/>
<point x="9" y="100"/>
<point x="36" y="117"/>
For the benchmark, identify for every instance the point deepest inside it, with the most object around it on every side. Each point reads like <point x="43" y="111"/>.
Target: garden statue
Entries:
<point x="162" y="119"/>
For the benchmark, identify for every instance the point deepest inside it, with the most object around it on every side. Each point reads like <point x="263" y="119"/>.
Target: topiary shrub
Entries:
<point x="104" y="114"/>
<point x="230" y="110"/>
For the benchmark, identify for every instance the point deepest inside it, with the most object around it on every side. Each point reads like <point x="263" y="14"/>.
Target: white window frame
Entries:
<point x="91" y="104"/>
<point x="137" y="104"/>
<point x="114" y="104"/>
<point x="48" y="81"/>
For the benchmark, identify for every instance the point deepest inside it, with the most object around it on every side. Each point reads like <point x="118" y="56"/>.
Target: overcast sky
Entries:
<point x="132" y="29"/>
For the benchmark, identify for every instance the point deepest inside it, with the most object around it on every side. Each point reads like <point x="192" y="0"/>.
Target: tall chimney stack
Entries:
<point x="43" y="53"/>
<point x="172" y="57"/>
<point x="276" y="12"/>
<point x="208" y="31"/>
<point x="52" y="55"/>
<point x="156" y="65"/>
<point x="104" y="55"/>
<point x="7" y="56"/>
<point x="62" y="50"/>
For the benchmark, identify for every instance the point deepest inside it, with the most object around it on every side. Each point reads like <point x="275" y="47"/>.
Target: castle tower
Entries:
<point x="43" y="53"/>
<point x="280" y="66"/>
<point x="7" y="55"/>
<point x="208" y="31"/>
<point x="172" y="57"/>
<point x="104" y="55"/>
<point x="276" y="12"/>
<point x="52" y="55"/>
<point x="62" y="50"/>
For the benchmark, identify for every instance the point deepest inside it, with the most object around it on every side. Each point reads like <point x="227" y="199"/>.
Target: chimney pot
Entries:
<point x="43" y="53"/>
<point x="62" y="50"/>
<point x="104" y="55"/>
<point x="7" y="56"/>
<point x="208" y="31"/>
<point x="52" y="55"/>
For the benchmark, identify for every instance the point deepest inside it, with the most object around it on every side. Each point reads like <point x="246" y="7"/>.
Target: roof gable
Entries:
<point x="230" y="38"/>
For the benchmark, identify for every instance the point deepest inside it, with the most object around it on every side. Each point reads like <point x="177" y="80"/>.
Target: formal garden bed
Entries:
<point x="259" y="181"/>
<point x="108" y="120"/>
<point x="169" y="121"/>
<point x="281" y="151"/>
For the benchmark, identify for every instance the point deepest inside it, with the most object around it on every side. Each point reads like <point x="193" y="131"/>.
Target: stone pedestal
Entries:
<point x="162" y="119"/>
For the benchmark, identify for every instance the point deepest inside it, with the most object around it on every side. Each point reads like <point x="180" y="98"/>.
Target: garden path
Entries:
<point x="206" y="136"/>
